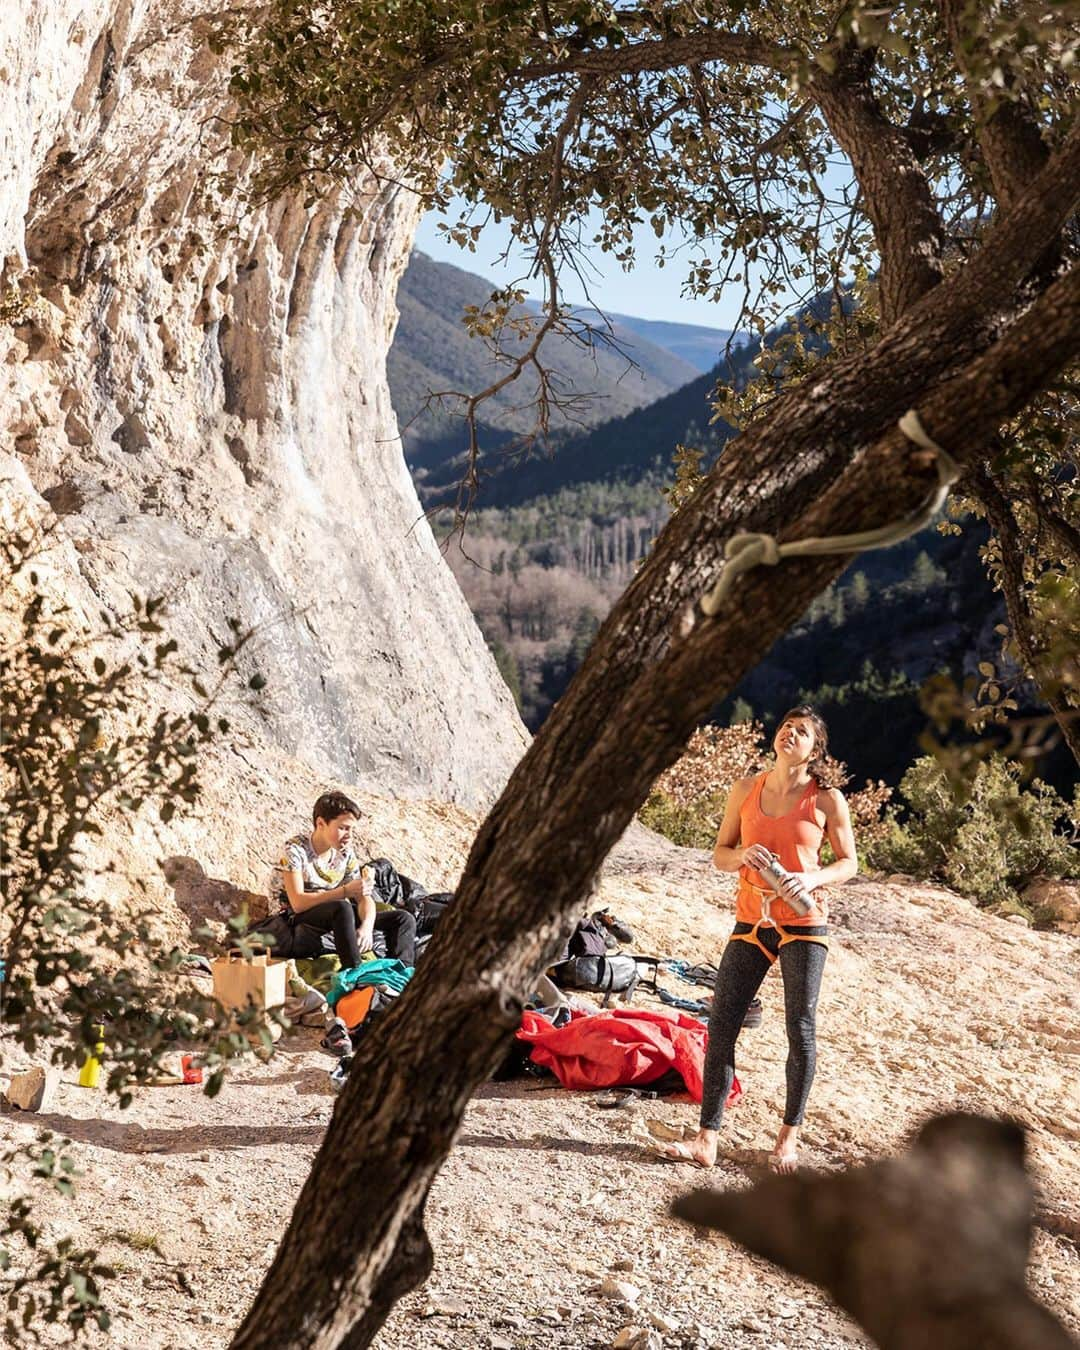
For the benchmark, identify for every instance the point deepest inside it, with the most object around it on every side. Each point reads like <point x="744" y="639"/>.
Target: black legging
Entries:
<point x="397" y="926"/>
<point x="742" y="968"/>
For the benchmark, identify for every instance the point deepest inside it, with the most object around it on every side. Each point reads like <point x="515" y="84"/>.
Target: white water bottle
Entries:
<point x="776" y="874"/>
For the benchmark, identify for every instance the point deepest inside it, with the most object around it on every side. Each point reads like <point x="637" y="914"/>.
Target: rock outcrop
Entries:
<point x="196" y="388"/>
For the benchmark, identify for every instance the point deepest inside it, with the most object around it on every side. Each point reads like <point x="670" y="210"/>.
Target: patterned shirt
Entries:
<point x="317" y="874"/>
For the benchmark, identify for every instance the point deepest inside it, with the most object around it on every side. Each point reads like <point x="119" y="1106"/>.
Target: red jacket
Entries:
<point x="625" y="1047"/>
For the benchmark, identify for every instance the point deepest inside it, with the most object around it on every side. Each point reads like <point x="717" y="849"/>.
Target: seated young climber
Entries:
<point x="319" y="891"/>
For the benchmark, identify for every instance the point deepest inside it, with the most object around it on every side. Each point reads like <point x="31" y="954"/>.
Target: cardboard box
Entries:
<point x="240" y="981"/>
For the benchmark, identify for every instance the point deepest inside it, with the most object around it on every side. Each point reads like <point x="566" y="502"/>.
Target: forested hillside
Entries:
<point x="540" y="577"/>
<point x="432" y="352"/>
<point x="560" y="535"/>
<point x="638" y="445"/>
<point x="635" y="447"/>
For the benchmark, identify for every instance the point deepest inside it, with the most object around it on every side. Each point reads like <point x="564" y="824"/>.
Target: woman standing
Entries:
<point x="787" y="812"/>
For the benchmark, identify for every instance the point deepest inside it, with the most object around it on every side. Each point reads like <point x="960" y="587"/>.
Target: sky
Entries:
<point x="649" y="292"/>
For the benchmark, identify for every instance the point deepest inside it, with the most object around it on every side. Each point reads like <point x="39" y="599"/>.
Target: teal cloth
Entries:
<point x="392" y="973"/>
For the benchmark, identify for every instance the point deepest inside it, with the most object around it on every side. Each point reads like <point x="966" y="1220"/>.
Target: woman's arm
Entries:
<point x="728" y="855"/>
<point x="842" y="840"/>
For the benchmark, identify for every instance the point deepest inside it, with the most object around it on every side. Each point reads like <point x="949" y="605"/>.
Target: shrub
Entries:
<point x="715" y="757"/>
<point x="84" y="739"/>
<point x="693" y="825"/>
<point x="869" y="816"/>
<point x="688" y="799"/>
<point x="987" y="840"/>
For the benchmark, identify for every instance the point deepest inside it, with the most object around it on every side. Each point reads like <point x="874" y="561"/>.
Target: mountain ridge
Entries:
<point x="432" y="352"/>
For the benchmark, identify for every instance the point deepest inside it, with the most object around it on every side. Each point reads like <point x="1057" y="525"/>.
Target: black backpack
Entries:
<point x="599" y="933"/>
<point x="601" y="974"/>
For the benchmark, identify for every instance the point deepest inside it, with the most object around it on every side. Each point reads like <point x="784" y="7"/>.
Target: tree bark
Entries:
<point x="907" y="226"/>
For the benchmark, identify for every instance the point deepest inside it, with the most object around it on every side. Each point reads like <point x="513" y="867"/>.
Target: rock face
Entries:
<point x="1059" y="901"/>
<point x="197" y="390"/>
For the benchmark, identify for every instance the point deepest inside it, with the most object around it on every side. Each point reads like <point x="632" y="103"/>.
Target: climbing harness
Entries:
<point x="744" y="551"/>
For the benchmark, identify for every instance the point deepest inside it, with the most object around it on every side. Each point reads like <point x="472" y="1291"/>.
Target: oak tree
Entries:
<point x="921" y="162"/>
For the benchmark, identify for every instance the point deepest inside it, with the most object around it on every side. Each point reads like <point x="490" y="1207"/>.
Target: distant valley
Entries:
<point x="432" y="353"/>
<point x="555" y="539"/>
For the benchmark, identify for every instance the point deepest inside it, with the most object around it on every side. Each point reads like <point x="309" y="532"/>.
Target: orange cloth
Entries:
<point x="796" y="839"/>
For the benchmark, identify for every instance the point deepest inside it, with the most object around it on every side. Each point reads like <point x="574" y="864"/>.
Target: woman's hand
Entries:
<point x="794" y="887"/>
<point x="756" y="856"/>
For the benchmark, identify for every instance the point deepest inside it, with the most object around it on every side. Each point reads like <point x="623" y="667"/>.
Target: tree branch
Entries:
<point x="636" y="58"/>
<point x="1009" y="137"/>
<point x="1064" y="531"/>
<point x="469" y="482"/>
<point x="891" y="180"/>
<point x="1002" y="521"/>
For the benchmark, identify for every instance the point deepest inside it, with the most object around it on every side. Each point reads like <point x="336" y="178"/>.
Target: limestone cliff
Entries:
<point x="197" y="388"/>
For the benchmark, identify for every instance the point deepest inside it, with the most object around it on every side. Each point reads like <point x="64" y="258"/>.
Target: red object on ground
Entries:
<point x="189" y="1071"/>
<point x="626" y="1047"/>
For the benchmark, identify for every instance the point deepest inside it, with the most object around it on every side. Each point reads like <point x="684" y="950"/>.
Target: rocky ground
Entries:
<point x="549" y="1221"/>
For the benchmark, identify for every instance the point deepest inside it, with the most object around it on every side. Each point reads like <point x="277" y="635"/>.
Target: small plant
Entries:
<point x="82" y="732"/>
<point x="42" y="1281"/>
<point x="985" y="835"/>
<point x="14" y="306"/>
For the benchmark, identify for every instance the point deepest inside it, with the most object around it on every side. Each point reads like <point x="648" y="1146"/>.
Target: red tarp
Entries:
<point x="625" y="1047"/>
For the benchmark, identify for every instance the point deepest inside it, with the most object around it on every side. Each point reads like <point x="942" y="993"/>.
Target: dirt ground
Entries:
<point x="928" y="1005"/>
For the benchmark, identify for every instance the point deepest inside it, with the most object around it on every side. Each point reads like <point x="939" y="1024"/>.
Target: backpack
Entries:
<point x="360" y="1008"/>
<point x="597" y="934"/>
<point x="587" y="939"/>
<point x="606" y="974"/>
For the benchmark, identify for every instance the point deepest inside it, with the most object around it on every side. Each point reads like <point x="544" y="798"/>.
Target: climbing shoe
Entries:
<point x="618" y="930"/>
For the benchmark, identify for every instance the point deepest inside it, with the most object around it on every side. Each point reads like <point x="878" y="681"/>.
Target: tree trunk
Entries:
<point x="928" y="1249"/>
<point x="654" y="670"/>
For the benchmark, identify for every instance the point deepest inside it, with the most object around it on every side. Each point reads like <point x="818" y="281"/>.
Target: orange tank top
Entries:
<point x="796" y="839"/>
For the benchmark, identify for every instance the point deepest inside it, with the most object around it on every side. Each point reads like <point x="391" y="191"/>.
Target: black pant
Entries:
<point x="742" y="968"/>
<point x="338" y="917"/>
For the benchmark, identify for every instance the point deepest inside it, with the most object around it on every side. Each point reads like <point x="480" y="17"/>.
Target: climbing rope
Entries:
<point x="744" y="551"/>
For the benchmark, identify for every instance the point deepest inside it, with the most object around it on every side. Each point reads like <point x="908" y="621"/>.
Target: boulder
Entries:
<point x="1057" y="900"/>
<point x="33" y="1090"/>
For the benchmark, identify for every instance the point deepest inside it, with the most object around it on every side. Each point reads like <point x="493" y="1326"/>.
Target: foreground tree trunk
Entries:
<point x="930" y="1249"/>
<point x="828" y="460"/>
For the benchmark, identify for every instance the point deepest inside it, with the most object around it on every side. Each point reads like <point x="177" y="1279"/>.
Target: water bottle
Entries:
<point x="90" y="1073"/>
<point x="776" y="874"/>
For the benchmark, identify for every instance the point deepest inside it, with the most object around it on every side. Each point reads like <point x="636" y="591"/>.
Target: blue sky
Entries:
<point x="649" y="292"/>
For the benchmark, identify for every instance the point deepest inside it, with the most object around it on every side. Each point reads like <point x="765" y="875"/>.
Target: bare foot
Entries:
<point x="701" y="1150"/>
<point x="784" y="1159"/>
